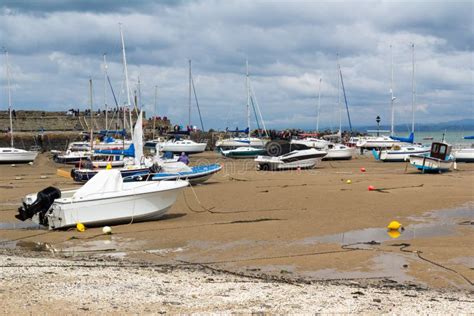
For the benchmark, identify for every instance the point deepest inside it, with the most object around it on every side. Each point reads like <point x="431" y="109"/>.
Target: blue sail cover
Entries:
<point x="410" y="139"/>
<point x="129" y="152"/>
<point x="122" y="132"/>
<point x="238" y="130"/>
<point x="469" y="137"/>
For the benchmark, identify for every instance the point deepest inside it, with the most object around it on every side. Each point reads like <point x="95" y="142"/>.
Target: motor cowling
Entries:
<point x="44" y="200"/>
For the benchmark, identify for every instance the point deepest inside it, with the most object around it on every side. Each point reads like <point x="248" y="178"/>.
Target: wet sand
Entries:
<point x="307" y="230"/>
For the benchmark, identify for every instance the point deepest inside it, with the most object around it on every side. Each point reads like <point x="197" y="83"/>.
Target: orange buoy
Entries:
<point x="371" y="188"/>
<point x="362" y="169"/>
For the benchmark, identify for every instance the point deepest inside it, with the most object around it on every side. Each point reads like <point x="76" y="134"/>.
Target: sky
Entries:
<point x="56" y="46"/>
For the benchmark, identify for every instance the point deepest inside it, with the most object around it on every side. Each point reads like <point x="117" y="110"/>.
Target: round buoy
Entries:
<point x="107" y="230"/>
<point x="109" y="166"/>
<point x="349" y="181"/>
<point x="394" y="225"/>
<point x="371" y="188"/>
<point x="31" y="163"/>
<point x="362" y="169"/>
<point x="13" y="165"/>
<point x="80" y="227"/>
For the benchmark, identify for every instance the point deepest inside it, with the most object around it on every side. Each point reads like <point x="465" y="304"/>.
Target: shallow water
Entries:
<point x="433" y="224"/>
<point x="20" y="225"/>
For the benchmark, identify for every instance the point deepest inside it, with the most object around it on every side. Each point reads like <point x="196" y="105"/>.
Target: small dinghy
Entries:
<point x="438" y="160"/>
<point x="104" y="200"/>
<point x="179" y="170"/>
<point x="302" y="159"/>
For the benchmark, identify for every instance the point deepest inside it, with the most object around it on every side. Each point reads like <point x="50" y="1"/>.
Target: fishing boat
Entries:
<point x="438" y="160"/>
<point x="243" y="152"/>
<point x="105" y="200"/>
<point x="296" y="159"/>
<point x="12" y="154"/>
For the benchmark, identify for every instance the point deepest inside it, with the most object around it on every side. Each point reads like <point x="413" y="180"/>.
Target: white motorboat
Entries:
<point x="179" y="146"/>
<point x="104" y="200"/>
<point x="438" y="160"/>
<point x="338" y="152"/>
<point x="464" y="154"/>
<point x="303" y="159"/>
<point x="400" y="152"/>
<point x="11" y="155"/>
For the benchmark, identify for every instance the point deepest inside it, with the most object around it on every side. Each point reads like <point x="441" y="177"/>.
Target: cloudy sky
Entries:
<point x="55" y="46"/>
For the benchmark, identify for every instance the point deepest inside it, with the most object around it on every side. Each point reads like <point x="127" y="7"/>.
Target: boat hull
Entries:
<point x="149" y="202"/>
<point x="464" y="155"/>
<point x="243" y="153"/>
<point x="84" y="175"/>
<point x="17" y="156"/>
<point x="400" y="156"/>
<point x="429" y="164"/>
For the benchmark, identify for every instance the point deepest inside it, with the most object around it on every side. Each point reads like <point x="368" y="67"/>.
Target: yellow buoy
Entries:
<point x="393" y="233"/>
<point x="394" y="225"/>
<point x="80" y="227"/>
<point x="349" y="181"/>
<point x="109" y="166"/>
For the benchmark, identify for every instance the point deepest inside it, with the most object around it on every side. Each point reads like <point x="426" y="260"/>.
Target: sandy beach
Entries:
<point x="249" y="241"/>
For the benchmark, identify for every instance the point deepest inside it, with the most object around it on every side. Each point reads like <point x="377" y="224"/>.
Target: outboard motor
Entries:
<point x="44" y="200"/>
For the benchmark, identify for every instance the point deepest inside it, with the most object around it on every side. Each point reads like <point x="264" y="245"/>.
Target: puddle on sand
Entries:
<point x="381" y="266"/>
<point x="434" y="224"/>
<point x="20" y="225"/>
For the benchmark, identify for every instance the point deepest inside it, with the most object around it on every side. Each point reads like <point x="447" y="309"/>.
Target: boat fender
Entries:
<point x="44" y="200"/>
<point x="375" y="154"/>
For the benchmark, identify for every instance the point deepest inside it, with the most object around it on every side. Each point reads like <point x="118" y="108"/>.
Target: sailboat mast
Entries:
<point x="319" y="104"/>
<point x="9" y="99"/>
<point x="92" y="122"/>
<point x="154" y="114"/>
<point x="126" y="79"/>
<point x="105" y="93"/>
<point x="248" y="98"/>
<point x="392" y="130"/>
<point x="189" y="95"/>
<point x="339" y="93"/>
<point x="413" y="90"/>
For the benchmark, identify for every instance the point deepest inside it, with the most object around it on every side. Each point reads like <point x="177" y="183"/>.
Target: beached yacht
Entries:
<point x="12" y="154"/>
<point x="400" y="152"/>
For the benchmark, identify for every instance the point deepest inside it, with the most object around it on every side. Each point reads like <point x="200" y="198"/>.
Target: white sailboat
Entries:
<point x="12" y="154"/>
<point x="245" y="151"/>
<point x="401" y="151"/>
<point x="242" y="138"/>
<point x="177" y="144"/>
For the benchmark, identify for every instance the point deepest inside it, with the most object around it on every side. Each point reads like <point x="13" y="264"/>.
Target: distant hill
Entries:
<point x="458" y="125"/>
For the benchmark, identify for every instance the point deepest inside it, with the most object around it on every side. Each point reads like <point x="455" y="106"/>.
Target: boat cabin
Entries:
<point x="440" y="150"/>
